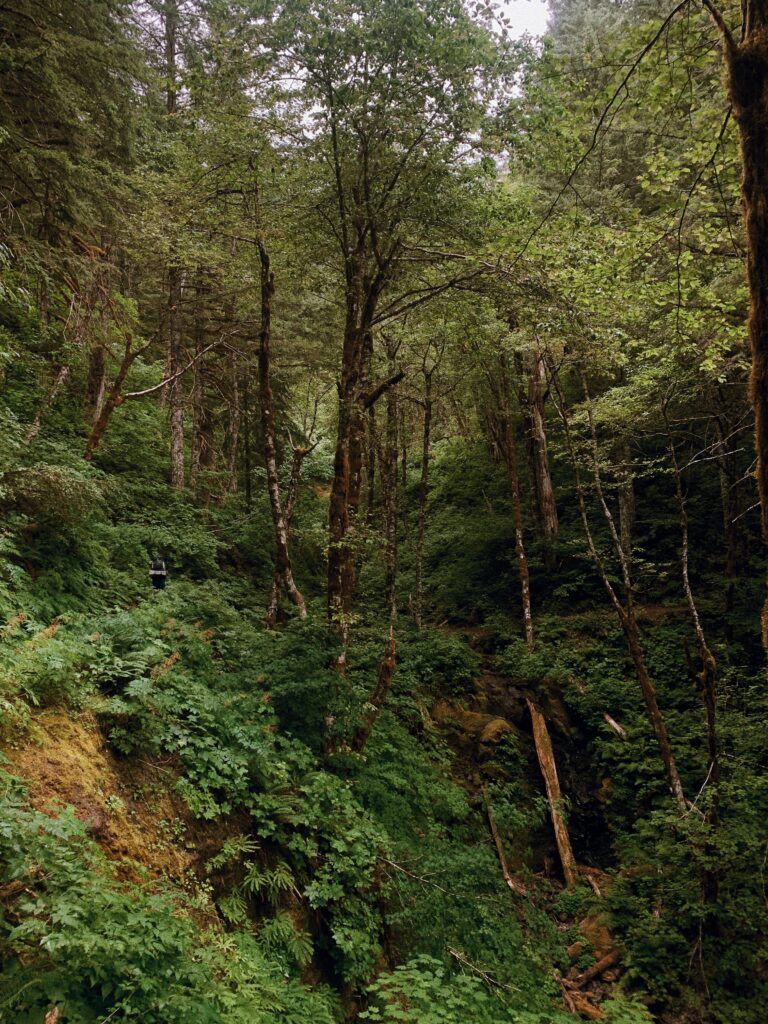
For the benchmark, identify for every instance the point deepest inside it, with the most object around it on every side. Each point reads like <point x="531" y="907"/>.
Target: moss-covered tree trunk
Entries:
<point x="746" y="64"/>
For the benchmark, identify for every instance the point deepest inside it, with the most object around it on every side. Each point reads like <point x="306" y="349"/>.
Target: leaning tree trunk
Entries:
<point x="282" y="557"/>
<point x="625" y="610"/>
<point x="546" y="758"/>
<point x="299" y="454"/>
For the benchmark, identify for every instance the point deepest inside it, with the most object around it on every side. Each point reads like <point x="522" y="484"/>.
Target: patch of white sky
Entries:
<point x="525" y="16"/>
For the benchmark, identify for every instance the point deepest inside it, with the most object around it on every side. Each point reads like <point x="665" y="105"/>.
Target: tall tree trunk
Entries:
<point x="170" y="15"/>
<point x="176" y="387"/>
<point x="626" y="495"/>
<point x="746" y="64"/>
<point x="371" y="464"/>
<point x="531" y="392"/>
<point x="404" y="451"/>
<point x="282" y="557"/>
<point x="174" y="358"/>
<point x="508" y="449"/>
<point x="348" y="456"/>
<point x="389" y="486"/>
<point x="248" y="466"/>
<point x="418" y="607"/>
<point x="545" y="494"/>
<point x="203" y="457"/>
<point x="235" y="418"/>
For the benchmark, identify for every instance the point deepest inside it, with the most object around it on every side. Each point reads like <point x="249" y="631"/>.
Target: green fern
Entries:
<point x="232" y="849"/>
<point x="270" y="884"/>
<point x="282" y="938"/>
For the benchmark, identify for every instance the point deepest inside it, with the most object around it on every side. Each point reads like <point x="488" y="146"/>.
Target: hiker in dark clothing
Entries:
<point x="158" y="573"/>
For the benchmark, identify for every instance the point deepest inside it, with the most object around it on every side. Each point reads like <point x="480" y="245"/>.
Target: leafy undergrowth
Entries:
<point x="171" y="851"/>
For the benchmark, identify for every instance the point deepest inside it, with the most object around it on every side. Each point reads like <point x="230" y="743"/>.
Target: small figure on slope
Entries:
<point x="158" y="572"/>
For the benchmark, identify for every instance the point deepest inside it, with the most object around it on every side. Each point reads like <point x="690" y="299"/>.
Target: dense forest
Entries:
<point x="424" y="362"/>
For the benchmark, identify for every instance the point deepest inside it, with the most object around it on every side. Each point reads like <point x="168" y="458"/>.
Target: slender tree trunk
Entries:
<point x="531" y="393"/>
<point x="248" y="467"/>
<point x="171" y="30"/>
<point x="176" y="387"/>
<point x="61" y="378"/>
<point x="544" y="490"/>
<point x="371" y="464"/>
<point x="282" y="557"/>
<point x="510" y="459"/>
<point x="404" y="455"/>
<point x="299" y="454"/>
<point x="729" y="495"/>
<point x="348" y="456"/>
<point x="708" y="675"/>
<point x="418" y="607"/>
<point x="626" y="495"/>
<point x="235" y="418"/>
<point x="506" y="874"/>
<point x="198" y="385"/>
<point x="175" y="272"/>
<point x="97" y="361"/>
<point x="389" y="484"/>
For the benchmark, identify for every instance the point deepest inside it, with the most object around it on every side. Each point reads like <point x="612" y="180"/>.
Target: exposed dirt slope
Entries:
<point x="128" y="806"/>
